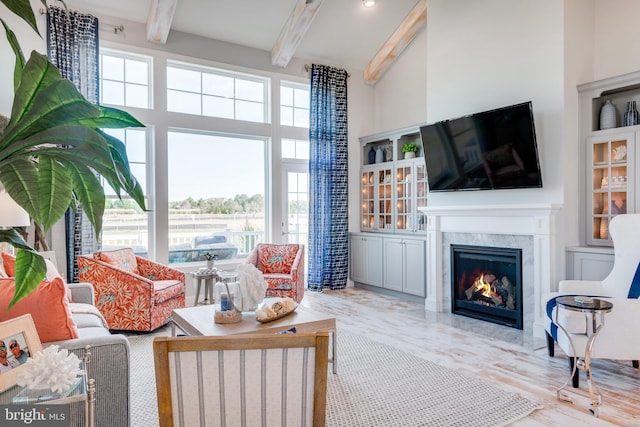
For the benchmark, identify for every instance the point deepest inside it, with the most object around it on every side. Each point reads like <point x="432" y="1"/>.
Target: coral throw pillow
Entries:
<point x="276" y="259"/>
<point x="9" y="262"/>
<point x="123" y="259"/>
<point x="48" y="305"/>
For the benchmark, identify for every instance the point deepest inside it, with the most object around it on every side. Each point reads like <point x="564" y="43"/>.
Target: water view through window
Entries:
<point x="216" y="195"/>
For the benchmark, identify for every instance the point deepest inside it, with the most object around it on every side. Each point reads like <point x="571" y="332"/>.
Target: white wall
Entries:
<point x="28" y="40"/>
<point x="492" y="53"/>
<point x="400" y="95"/>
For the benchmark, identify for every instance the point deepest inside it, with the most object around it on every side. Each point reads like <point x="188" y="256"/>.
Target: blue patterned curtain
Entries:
<point x="328" y="222"/>
<point x="72" y="46"/>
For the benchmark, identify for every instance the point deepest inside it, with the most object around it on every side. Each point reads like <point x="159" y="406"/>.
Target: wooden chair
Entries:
<point x="268" y="380"/>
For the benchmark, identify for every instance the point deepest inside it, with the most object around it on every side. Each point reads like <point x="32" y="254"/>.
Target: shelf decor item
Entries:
<point x="631" y="117"/>
<point x="409" y="150"/>
<point x="379" y="155"/>
<point x="372" y="156"/>
<point x="608" y="115"/>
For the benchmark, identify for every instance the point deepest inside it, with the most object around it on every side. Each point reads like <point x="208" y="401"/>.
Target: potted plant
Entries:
<point x="52" y="152"/>
<point x="409" y="150"/>
<point x="209" y="258"/>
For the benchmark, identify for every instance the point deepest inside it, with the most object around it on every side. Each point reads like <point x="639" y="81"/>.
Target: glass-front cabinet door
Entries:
<point x="411" y="193"/>
<point x="377" y="199"/>
<point x="368" y="200"/>
<point x="610" y="161"/>
<point x="385" y="199"/>
<point x="404" y="197"/>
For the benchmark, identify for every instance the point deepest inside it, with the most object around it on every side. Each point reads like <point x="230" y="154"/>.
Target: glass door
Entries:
<point x="295" y="225"/>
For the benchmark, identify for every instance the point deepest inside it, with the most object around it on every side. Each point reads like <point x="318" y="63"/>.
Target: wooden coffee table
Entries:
<point x="198" y="321"/>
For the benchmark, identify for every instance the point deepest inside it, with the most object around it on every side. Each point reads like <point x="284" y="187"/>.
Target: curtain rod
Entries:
<point x="116" y="28"/>
<point x="307" y="67"/>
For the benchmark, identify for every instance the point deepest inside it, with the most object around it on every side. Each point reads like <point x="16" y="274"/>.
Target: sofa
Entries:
<point x="109" y="360"/>
<point x="110" y="353"/>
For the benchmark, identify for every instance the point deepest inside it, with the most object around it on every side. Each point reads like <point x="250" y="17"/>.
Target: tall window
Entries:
<point x="124" y="223"/>
<point x="216" y="195"/>
<point x="294" y="104"/>
<point x="125" y="79"/>
<point x="215" y="93"/>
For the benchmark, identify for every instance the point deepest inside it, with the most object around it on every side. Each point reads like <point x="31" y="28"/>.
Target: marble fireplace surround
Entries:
<point x="532" y="228"/>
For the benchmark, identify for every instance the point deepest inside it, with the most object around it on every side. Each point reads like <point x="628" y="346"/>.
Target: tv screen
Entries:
<point x="490" y="150"/>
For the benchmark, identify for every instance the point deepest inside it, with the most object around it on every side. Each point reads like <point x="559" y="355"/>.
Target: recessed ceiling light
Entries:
<point x="368" y="3"/>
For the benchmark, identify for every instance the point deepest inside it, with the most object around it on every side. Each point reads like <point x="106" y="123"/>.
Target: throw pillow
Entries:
<point x="276" y="259"/>
<point x="48" y="305"/>
<point x="9" y="262"/>
<point x="52" y="273"/>
<point x="123" y="259"/>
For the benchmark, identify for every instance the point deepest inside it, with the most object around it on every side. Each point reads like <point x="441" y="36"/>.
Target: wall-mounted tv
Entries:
<point x="490" y="150"/>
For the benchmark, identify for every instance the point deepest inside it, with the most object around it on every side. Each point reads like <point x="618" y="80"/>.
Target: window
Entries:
<point x="209" y="92"/>
<point x="125" y="79"/>
<point x="295" y="149"/>
<point x="221" y="208"/>
<point x="124" y="223"/>
<point x="294" y="105"/>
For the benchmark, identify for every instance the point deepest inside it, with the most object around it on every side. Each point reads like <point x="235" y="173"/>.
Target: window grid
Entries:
<point x="240" y="108"/>
<point x="130" y="85"/>
<point x="294" y="104"/>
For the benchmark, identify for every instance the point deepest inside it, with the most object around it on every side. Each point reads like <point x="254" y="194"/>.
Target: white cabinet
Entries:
<point x="609" y="156"/>
<point x="394" y="188"/>
<point x="611" y="166"/>
<point x="366" y="259"/>
<point x="589" y="263"/>
<point x="404" y="265"/>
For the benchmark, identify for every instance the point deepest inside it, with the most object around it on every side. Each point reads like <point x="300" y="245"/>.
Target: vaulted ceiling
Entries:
<point x="338" y="32"/>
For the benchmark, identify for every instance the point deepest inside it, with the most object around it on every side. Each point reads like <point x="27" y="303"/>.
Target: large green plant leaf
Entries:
<point x="17" y="50"/>
<point x="52" y="149"/>
<point x="30" y="266"/>
<point x="22" y="8"/>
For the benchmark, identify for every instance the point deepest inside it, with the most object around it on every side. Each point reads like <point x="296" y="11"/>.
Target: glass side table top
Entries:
<point x="584" y="303"/>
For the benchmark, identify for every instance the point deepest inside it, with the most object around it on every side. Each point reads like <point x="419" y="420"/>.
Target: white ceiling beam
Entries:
<point x="159" y="20"/>
<point x="398" y="41"/>
<point x="293" y="31"/>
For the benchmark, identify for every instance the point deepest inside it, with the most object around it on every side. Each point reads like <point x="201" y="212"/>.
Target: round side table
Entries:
<point x="594" y="310"/>
<point x="206" y="276"/>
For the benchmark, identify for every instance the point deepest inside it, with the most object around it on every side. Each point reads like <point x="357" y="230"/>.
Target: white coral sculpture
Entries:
<point x="252" y="286"/>
<point x="51" y="368"/>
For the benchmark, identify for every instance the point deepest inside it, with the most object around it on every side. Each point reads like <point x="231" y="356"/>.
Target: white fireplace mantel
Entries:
<point x="535" y="220"/>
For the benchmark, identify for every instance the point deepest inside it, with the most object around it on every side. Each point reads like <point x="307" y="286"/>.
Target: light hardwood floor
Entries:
<point x="499" y="354"/>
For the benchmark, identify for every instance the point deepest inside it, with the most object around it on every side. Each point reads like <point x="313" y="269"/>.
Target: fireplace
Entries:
<point x="486" y="284"/>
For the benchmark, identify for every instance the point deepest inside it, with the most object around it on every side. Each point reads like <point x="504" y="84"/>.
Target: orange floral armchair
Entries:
<point x="131" y="292"/>
<point x="282" y="267"/>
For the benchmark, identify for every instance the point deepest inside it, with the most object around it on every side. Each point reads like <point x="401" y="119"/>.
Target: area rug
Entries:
<point x="376" y="385"/>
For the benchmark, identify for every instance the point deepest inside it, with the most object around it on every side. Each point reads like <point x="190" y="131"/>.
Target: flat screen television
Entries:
<point x="494" y="149"/>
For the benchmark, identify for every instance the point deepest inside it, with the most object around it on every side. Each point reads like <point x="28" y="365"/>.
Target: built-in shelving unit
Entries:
<point x="389" y="252"/>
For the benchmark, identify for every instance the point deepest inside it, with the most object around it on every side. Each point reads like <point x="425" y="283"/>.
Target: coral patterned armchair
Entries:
<point x="131" y="292"/>
<point x="282" y="267"/>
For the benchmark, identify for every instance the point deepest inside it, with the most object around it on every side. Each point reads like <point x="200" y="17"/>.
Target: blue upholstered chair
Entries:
<point x="618" y="339"/>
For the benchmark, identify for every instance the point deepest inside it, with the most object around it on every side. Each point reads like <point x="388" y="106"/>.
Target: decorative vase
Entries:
<point x="631" y="116"/>
<point x="410" y="155"/>
<point x="209" y="264"/>
<point x="379" y="155"/>
<point x="228" y="303"/>
<point x="608" y="115"/>
<point x="372" y="156"/>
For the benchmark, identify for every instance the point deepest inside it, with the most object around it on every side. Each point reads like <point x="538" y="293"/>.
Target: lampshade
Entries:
<point x="11" y="214"/>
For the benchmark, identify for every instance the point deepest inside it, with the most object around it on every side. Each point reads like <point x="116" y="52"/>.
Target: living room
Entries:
<point x="470" y="57"/>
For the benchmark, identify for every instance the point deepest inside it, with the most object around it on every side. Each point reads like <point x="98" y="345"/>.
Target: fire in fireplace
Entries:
<point x="487" y="284"/>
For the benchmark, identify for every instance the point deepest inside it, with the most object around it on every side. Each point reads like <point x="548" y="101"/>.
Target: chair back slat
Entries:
<point x="268" y="381"/>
